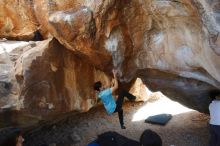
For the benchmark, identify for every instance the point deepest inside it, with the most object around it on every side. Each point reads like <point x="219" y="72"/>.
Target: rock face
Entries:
<point x="173" y="46"/>
<point x="164" y="35"/>
<point x="49" y="80"/>
<point x="54" y="78"/>
<point x="17" y="19"/>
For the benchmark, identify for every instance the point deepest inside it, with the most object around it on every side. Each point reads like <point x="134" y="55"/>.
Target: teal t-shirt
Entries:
<point x="108" y="100"/>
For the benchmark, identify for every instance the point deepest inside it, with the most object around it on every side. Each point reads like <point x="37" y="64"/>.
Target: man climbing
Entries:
<point x="108" y="100"/>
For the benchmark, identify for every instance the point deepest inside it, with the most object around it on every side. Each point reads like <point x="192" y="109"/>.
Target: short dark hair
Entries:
<point x="150" y="138"/>
<point x="97" y="86"/>
<point x="213" y="94"/>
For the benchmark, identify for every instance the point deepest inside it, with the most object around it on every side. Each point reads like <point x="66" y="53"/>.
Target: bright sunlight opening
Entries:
<point x="160" y="106"/>
<point x="156" y="103"/>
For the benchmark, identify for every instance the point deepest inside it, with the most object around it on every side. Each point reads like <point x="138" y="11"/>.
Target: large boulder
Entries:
<point x="172" y="46"/>
<point x="53" y="78"/>
<point x="164" y="35"/>
<point x="45" y="79"/>
<point x="17" y="19"/>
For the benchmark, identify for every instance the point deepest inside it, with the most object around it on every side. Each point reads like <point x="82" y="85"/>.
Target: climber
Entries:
<point x="108" y="100"/>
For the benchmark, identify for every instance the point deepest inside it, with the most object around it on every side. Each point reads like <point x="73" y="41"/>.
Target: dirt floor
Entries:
<point x="184" y="129"/>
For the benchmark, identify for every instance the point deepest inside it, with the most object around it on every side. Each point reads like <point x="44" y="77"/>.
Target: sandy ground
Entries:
<point x="184" y="129"/>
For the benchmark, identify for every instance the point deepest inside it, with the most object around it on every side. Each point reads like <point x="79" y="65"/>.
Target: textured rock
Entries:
<point x="9" y="90"/>
<point x="190" y="92"/>
<point x="17" y="19"/>
<point x="78" y="26"/>
<point x="54" y="79"/>
<point x="173" y="46"/>
<point x="50" y="80"/>
<point x="209" y="12"/>
<point x="163" y="35"/>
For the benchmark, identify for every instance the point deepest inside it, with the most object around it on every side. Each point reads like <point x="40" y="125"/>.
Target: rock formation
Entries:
<point x="172" y="46"/>
<point x="49" y="80"/>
